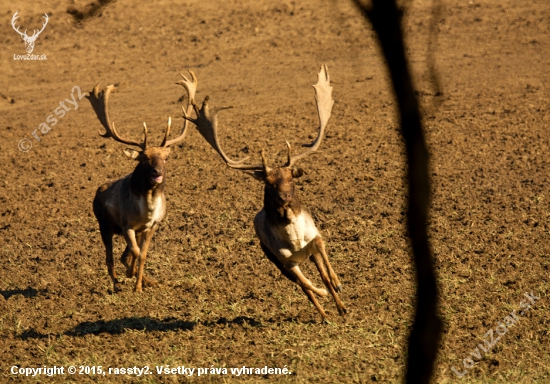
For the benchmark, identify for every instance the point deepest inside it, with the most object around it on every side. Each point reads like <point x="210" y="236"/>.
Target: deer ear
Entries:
<point x="131" y="153"/>
<point x="298" y="172"/>
<point x="258" y="175"/>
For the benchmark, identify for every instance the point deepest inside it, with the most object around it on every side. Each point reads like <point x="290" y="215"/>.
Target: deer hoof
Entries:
<point x="130" y="273"/>
<point x="148" y="283"/>
<point x="117" y="287"/>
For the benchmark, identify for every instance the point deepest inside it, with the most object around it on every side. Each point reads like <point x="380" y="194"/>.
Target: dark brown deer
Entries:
<point x="287" y="233"/>
<point x="134" y="205"/>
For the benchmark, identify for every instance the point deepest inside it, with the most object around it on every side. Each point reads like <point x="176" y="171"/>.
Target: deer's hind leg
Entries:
<point x="125" y="262"/>
<point x="320" y="245"/>
<point x="313" y="299"/>
<point x="107" y="231"/>
<point x="292" y="277"/>
<point x="316" y="258"/>
<point x="316" y="246"/>
<point x="286" y="273"/>
<point x="305" y="283"/>
<point x="294" y="273"/>
<point x="107" y="237"/>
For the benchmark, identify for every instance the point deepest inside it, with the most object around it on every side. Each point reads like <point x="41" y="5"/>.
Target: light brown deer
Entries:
<point x="134" y="205"/>
<point x="287" y="233"/>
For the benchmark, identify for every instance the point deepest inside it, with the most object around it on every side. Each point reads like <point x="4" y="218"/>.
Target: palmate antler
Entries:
<point x="191" y="89"/>
<point x="207" y="125"/>
<point x="324" y="101"/>
<point x="100" y="104"/>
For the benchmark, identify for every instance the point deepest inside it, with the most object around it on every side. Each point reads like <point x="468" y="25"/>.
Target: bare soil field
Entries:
<point x="221" y="303"/>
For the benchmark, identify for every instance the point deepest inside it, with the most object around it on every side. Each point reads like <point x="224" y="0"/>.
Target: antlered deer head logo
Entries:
<point x="29" y="40"/>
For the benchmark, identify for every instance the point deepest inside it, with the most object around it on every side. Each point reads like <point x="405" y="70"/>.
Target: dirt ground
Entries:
<point x="221" y="303"/>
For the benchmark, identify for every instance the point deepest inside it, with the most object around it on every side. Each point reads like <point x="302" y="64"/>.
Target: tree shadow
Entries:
<point x="27" y="292"/>
<point x="91" y="10"/>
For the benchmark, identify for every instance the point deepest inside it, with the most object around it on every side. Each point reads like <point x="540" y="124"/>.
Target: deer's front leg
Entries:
<point x="130" y="237"/>
<point x="146" y="281"/>
<point x="146" y="239"/>
<point x="305" y="283"/>
<point x="130" y="264"/>
<point x="316" y="246"/>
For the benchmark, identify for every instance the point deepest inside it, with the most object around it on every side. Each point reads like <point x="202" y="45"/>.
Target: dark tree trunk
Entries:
<point x="385" y="17"/>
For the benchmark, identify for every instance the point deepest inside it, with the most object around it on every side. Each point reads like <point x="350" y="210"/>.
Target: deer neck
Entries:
<point x="282" y="213"/>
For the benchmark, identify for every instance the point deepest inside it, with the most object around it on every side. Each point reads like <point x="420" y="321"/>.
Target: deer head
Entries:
<point x="29" y="40"/>
<point x="151" y="160"/>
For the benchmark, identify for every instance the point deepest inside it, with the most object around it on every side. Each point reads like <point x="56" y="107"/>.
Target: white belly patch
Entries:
<point x="153" y="210"/>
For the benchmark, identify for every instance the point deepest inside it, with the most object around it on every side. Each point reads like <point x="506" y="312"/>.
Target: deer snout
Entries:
<point x="157" y="175"/>
<point x="285" y="196"/>
<point x="157" y="171"/>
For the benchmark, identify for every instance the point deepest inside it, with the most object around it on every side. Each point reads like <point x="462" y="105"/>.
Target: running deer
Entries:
<point x="134" y="205"/>
<point x="287" y="233"/>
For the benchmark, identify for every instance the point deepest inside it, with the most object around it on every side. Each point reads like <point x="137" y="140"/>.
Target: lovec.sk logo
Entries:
<point x="29" y="40"/>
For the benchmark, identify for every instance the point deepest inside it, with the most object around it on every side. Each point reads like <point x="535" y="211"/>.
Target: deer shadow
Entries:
<point x="27" y="292"/>
<point x="120" y="326"/>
